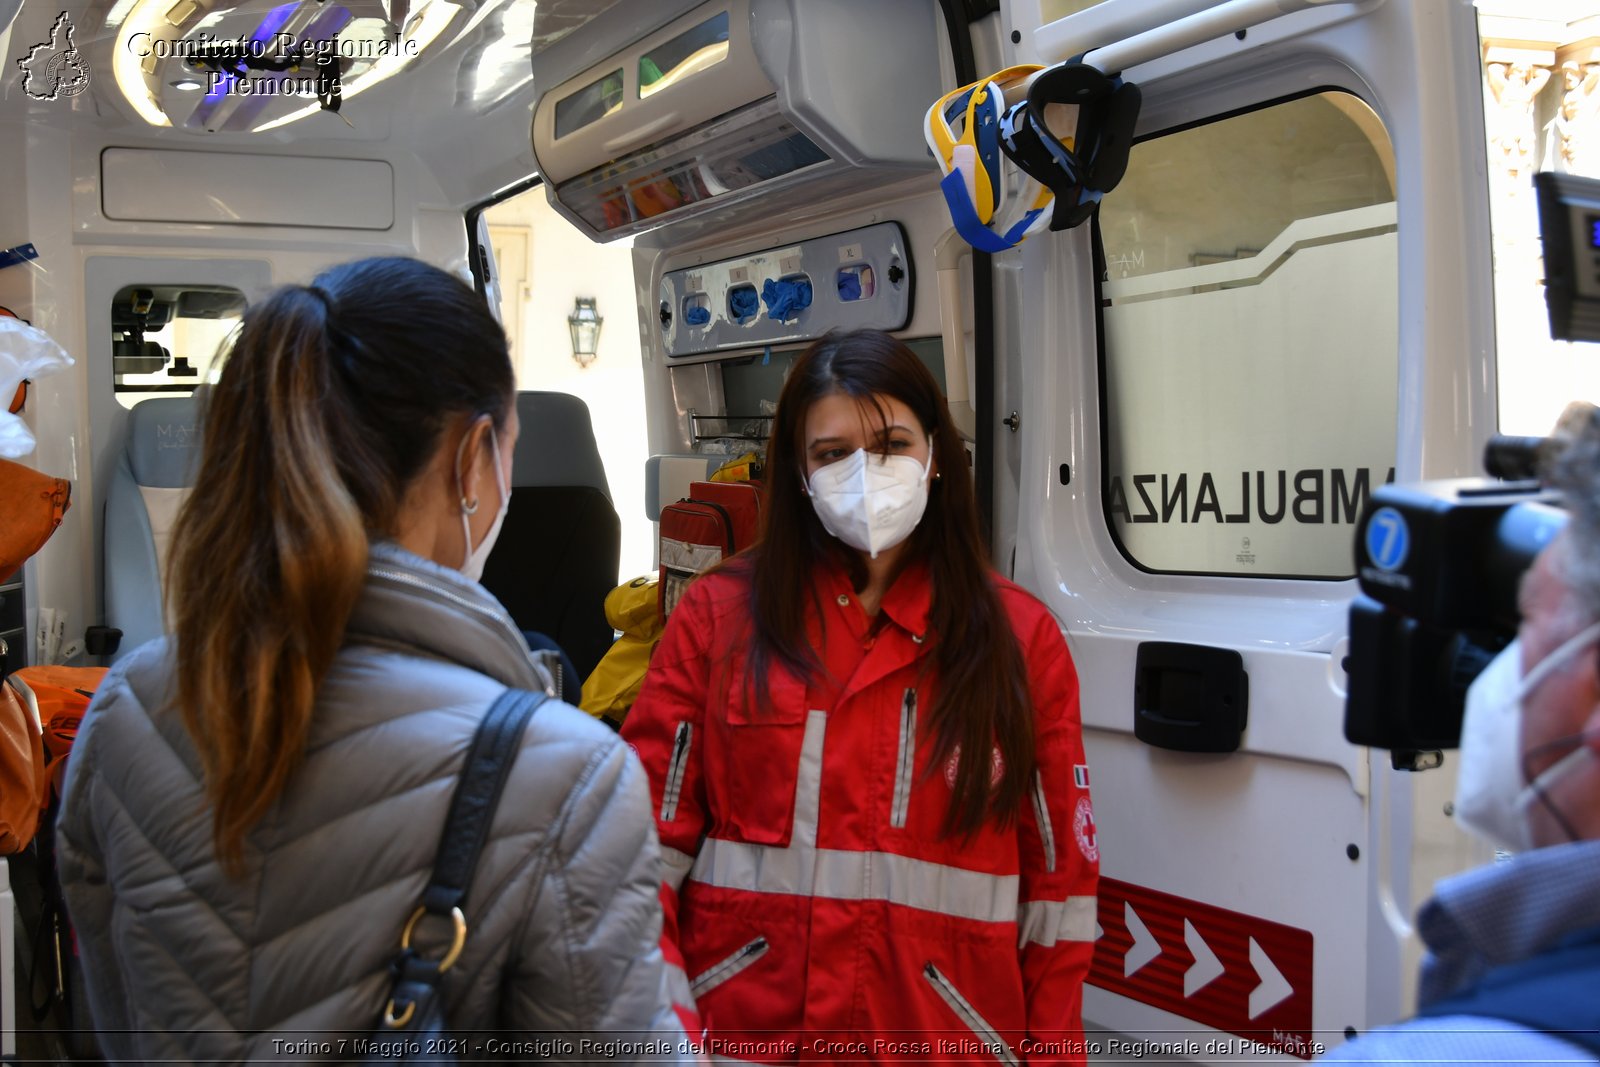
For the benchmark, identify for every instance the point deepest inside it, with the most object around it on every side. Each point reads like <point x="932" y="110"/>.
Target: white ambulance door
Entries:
<point x="1293" y="293"/>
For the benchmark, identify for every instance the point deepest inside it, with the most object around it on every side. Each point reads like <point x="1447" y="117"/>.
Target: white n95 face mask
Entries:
<point x="472" y="566"/>
<point x="871" y="502"/>
<point x="1492" y="800"/>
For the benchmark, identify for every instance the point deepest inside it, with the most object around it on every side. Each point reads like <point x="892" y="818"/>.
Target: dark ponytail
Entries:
<point x="331" y="401"/>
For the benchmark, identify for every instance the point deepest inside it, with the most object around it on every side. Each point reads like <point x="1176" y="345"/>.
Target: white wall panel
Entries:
<point x="227" y="188"/>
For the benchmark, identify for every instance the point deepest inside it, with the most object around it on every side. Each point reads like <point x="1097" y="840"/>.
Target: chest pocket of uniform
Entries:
<point x="753" y="760"/>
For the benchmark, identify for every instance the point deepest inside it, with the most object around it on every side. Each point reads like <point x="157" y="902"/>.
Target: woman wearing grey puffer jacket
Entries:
<point x="254" y="804"/>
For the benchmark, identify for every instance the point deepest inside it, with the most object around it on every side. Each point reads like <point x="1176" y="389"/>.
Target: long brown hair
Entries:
<point x="983" y="699"/>
<point x="332" y="400"/>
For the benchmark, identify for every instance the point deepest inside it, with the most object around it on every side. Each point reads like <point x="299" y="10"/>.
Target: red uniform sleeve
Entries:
<point x="1060" y="859"/>
<point x="665" y="728"/>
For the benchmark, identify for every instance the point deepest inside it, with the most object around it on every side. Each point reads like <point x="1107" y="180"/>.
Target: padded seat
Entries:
<point x="158" y="466"/>
<point x="561" y="544"/>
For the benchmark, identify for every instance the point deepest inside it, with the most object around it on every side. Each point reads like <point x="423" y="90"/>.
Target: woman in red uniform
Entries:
<point x="843" y="880"/>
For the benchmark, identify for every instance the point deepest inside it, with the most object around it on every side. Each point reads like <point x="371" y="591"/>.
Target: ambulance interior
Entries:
<point x="1176" y="411"/>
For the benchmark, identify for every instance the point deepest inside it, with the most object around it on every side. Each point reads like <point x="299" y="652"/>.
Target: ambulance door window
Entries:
<point x="167" y="340"/>
<point x="1250" y="340"/>
<point x="546" y="266"/>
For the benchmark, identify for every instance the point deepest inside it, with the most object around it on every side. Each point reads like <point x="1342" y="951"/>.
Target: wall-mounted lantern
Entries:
<point x="585" y="324"/>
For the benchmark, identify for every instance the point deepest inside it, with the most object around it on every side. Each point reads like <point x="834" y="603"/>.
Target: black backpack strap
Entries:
<point x="483" y="779"/>
<point x="466" y="828"/>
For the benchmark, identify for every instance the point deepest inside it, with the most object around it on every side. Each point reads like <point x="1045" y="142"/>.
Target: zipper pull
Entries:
<point x="680" y="742"/>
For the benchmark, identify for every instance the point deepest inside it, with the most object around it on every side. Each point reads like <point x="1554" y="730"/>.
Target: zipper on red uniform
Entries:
<point x="675" y="771"/>
<point x="901" y="801"/>
<point x="718" y="973"/>
<point x="993" y="1042"/>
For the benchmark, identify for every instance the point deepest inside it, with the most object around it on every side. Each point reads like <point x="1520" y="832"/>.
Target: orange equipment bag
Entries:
<point x="63" y="695"/>
<point x="31" y="507"/>
<point x="24" y="779"/>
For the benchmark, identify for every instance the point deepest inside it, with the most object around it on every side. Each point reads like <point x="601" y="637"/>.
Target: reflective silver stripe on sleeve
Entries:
<point x="675" y="771"/>
<point x="678" y="989"/>
<point x="907" y="760"/>
<point x="1041" y="811"/>
<point x="1044" y="922"/>
<point x="674" y="867"/>
<point x="993" y="1042"/>
<point x="723" y="970"/>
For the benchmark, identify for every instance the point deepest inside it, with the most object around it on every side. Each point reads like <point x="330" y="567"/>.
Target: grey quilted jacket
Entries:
<point x="290" y="963"/>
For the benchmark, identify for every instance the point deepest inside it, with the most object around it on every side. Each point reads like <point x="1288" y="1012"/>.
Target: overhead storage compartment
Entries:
<point x="732" y="100"/>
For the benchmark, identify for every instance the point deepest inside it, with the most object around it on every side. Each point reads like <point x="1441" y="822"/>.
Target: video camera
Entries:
<point x="1440" y="562"/>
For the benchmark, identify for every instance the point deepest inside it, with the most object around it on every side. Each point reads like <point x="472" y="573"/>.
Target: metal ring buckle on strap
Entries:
<point x="454" y="951"/>
<point x="393" y="1023"/>
<point x="452" y="954"/>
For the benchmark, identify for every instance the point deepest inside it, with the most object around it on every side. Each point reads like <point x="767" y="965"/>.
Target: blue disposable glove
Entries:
<point x="785" y="299"/>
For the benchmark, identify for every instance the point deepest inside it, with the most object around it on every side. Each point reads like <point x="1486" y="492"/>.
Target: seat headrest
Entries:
<point x="164" y="441"/>
<point x="557" y="445"/>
